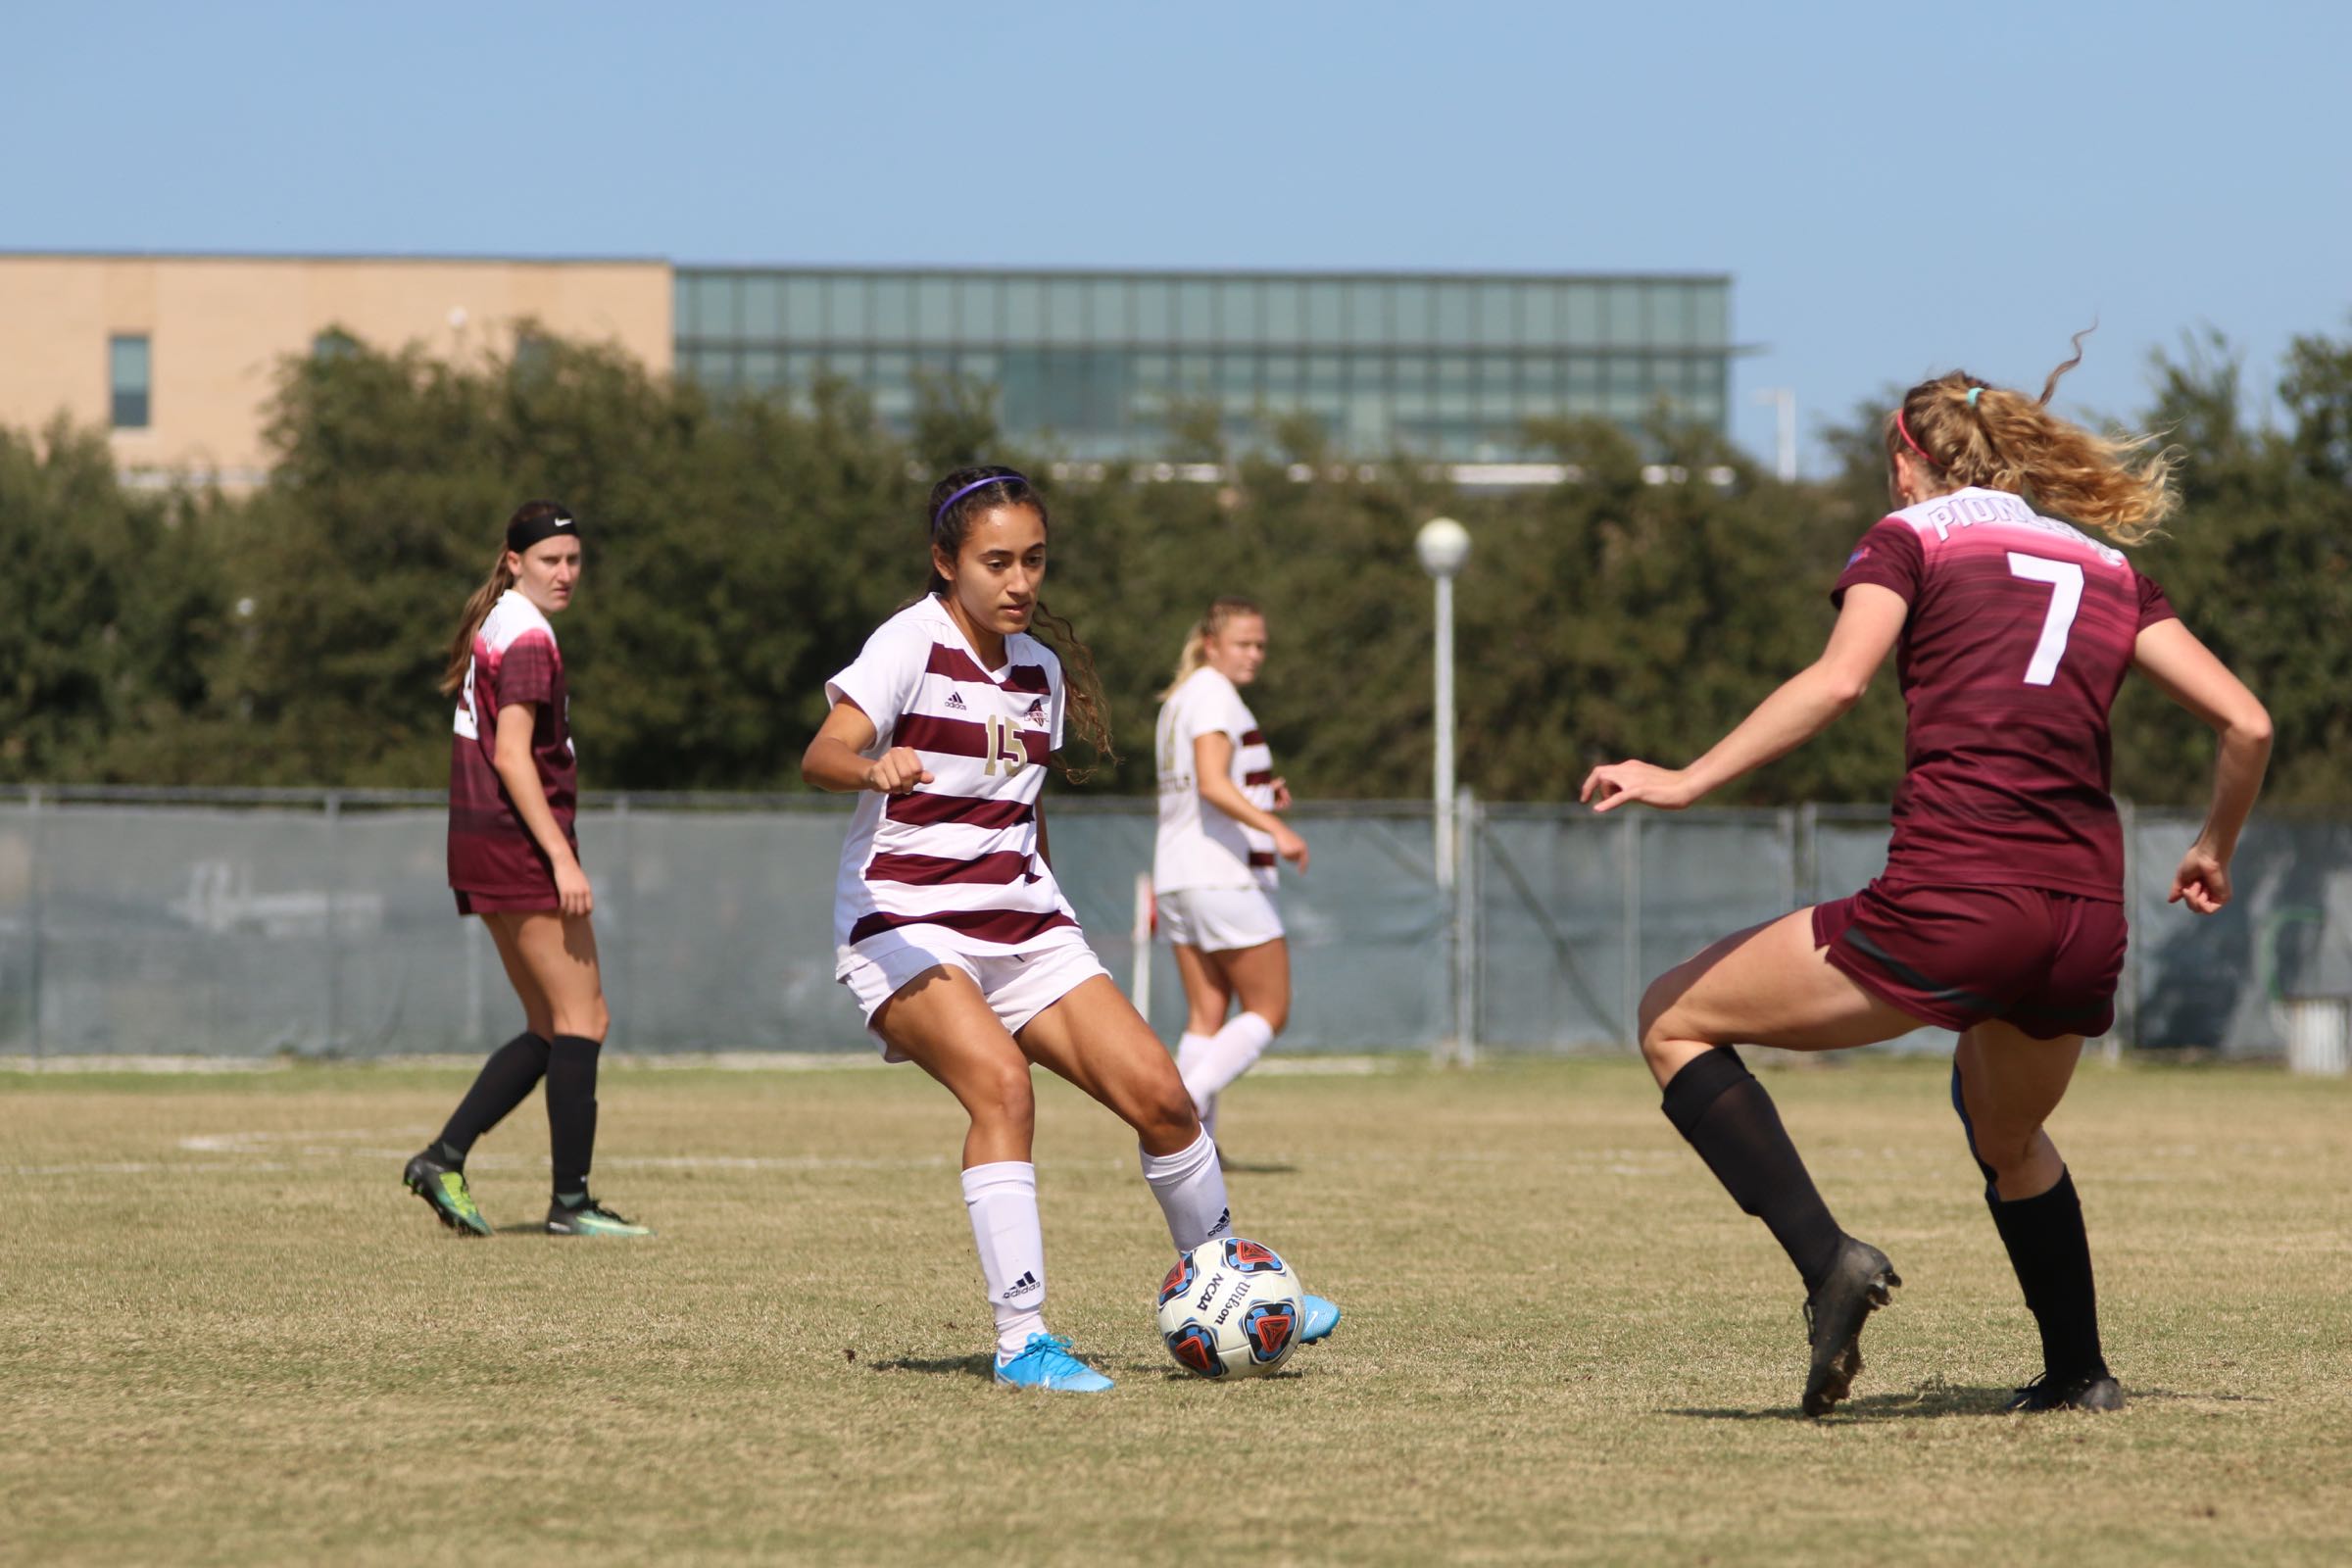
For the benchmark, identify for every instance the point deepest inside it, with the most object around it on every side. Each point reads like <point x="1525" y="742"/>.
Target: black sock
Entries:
<point x="506" y="1080"/>
<point x="2051" y="1254"/>
<point x="571" y="1111"/>
<point x="1716" y="1104"/>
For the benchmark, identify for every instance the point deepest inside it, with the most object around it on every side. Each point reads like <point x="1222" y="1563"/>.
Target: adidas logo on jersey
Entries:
<point x="1027" y="1282"/>
<point x="955" y="700"/>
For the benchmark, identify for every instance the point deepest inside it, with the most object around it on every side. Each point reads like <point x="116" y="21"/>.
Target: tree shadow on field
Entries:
<point x="1927" y="1402"/>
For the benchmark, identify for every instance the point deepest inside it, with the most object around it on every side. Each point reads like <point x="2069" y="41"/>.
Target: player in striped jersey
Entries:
<point x="951" y="933"/>
<point x="1214" y="864"/>
<point x="514" y="860"/>
<point x="1999" y="914"/>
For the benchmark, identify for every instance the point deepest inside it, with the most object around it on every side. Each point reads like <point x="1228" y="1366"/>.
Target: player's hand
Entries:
<point x="572" y="892"/>
<point x="1282" y="794"/>
<point x="1615" y="784"/>
<point x="2202" y="882"/>
<point x="1289" y="846"/>
<point x="898" y="771"/>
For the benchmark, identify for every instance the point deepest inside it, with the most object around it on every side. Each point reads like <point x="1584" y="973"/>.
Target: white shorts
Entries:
<point x="1219" y="919"/>
<point x="1018" y="986"/>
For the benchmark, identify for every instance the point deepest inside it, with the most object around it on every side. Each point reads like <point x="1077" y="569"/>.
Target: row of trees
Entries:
<point x="740" y="550"/>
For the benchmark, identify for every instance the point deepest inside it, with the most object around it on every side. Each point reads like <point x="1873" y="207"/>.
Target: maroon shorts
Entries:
<point x="2044" y="962"/>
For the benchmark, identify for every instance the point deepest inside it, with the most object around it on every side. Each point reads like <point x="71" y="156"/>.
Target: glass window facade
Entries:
<point x="129" y="375"/>
<point x="1093" y="364"/>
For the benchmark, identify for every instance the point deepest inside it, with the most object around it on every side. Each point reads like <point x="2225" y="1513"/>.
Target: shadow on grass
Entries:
<point x="1256" y="1167"/>
<point x="1928" y="1402"/>
<point x="974" y="1366"/>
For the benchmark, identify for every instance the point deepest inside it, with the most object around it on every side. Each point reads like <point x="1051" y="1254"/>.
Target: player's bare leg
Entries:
<point x="1769" y="985"/>
<point x="940" y="1021"/>
<point x="1259" y="978"/>
<point x="1095" y="1039"/>
<point x="558" y="951"/>
<point x="2005" y="1084"/>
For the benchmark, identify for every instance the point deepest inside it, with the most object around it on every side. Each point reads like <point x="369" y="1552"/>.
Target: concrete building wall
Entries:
<point x="219" y="327"/>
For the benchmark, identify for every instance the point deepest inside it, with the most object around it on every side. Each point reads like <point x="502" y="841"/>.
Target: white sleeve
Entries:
<point x="1058" y="706"/>
<point x="882" y="680"/>
<point x="1227" y="713"/>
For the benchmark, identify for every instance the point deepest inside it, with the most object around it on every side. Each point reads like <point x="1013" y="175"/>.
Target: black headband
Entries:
<point x="524" y="532"/>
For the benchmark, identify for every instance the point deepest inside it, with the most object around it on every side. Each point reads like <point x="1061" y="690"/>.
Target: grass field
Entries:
<point x="228" y="1336"/>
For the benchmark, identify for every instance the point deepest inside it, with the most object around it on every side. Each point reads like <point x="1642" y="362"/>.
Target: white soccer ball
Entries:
<point x="1230" y="1308"/>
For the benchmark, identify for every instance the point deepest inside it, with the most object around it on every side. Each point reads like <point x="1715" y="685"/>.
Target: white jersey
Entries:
<point x="1200" y="845"/>
<point x="954" y="862"/>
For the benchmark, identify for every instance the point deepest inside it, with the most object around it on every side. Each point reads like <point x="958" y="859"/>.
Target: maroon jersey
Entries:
<point x="514" y="660"/>
<point x="2020" y="632"/>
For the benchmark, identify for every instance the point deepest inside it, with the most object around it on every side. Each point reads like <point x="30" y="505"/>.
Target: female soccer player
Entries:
<point x="953" y="935"/>
<point x="1999" y="914"/>
<point x="1214" y="867"/>
<point x="514" y="860"/>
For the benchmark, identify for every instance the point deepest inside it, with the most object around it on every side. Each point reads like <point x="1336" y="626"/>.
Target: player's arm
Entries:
<point x="1212" y="768"/>
<point x="1868" y="623"/>
<point x="2185" y="669"/>
<point x="510" y="755"/>
<point x="834" y="760"/>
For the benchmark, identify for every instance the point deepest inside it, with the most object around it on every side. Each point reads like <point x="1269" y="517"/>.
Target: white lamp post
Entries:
<point x="1783" y="401"/>
<point x="1443" y="545"/>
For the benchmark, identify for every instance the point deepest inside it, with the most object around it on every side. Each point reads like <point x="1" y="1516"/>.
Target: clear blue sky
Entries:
<point x="1897" y="188"/>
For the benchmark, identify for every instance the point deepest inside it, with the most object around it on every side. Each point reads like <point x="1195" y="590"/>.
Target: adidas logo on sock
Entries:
<point x="955" y="700"/>
<point x="1027" y="1282"/>
<point x="1224" y="1221"/>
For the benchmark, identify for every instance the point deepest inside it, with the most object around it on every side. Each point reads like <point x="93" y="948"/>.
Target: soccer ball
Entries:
<point x="1230" y="1308"/>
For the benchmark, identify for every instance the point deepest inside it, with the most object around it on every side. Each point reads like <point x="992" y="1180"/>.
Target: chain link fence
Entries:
<point x="256" y="923"/>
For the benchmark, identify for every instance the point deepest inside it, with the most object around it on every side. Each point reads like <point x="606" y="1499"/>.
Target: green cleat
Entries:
<point x="582" y="1216"/>
<point x="443" y="1188"/>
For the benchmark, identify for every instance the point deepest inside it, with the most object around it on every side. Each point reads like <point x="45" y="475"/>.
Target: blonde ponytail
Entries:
<point x="1195" y="641"/>
<point x="1970" y="432"/>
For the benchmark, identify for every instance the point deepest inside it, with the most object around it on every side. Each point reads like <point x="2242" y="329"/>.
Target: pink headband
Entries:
<point x="1905" y="431"/>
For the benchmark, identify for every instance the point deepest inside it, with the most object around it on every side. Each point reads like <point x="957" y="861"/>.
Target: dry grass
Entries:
<point x="228" y="1336"/>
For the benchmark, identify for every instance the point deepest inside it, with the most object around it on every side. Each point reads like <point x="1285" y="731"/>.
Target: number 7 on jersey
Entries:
<point x="2065" y="578"/>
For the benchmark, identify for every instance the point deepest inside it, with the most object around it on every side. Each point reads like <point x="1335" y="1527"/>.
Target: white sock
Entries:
<point x="1226" y="1056"/>
<point x="1192" y="1058"/>
<point x="1190" y="1188"/>
<point x="1001" y="1199"/>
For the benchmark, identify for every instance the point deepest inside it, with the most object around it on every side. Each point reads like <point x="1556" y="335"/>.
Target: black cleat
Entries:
<point x="1858" y="1284"/>
<point x="442" y="1185"/>
<point x="588" y="1217"/>
<point x="2085" y="1390"/>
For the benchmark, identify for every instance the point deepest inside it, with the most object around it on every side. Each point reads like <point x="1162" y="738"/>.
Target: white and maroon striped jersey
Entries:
<point x="1200" y="845"/>
<point x="955" y="861"/>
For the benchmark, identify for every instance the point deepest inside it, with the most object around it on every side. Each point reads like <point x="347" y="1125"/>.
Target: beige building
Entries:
<point x="177" y="356"/>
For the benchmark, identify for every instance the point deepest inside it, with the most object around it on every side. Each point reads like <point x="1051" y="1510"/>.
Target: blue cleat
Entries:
<point x="1046" y="1362"/>
<point x="1317" y="1317"/>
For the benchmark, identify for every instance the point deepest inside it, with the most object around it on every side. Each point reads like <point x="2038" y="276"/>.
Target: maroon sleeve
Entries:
<point x="2153" y="605"/>
<point x="528" y="671"/>
<point x="1888" y="556"/>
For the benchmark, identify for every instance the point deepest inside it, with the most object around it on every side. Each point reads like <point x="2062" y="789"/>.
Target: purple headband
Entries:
<point x="976" y="484"/>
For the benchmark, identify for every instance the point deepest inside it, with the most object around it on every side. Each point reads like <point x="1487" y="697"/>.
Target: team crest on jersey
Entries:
<point x="1037" y="711"/>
